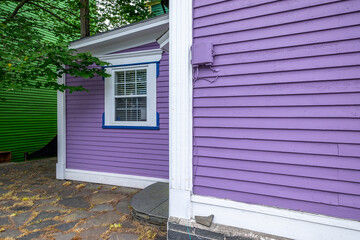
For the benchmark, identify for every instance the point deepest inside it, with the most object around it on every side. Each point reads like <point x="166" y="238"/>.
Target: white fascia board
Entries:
<point x="165" y="45"/>
<point x="164" y="41"/>
<point x="111" y="178"/>
<point x="280" y="222"/>
<point x="156" y="26"/>
<point x="145" y="56"/>
<point x="123" y="44"/>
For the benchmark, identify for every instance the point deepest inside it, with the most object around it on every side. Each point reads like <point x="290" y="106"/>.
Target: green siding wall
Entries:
<point x="27" y="118"/>
<point x="158" y="10"/>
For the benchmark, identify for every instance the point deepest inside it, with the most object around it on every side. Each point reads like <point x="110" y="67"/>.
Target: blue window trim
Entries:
<point x="157" y="127"/>
<point x="133" y="64"/>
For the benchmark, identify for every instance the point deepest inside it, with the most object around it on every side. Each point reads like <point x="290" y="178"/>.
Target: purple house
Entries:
<point x="248" y="108"/>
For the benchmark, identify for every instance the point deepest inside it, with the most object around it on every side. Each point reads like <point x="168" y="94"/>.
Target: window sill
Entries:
<point x="157" y="127"/>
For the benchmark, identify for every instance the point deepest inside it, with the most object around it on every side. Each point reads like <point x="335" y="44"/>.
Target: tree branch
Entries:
<point x="53" y="14"/>
<point x="20" y="5"/>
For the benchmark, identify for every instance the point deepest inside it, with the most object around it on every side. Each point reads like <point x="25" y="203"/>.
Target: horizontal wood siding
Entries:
<point x="28" y="116"/>
<point x="123" y="151"/>
<point x="280" y="126"/>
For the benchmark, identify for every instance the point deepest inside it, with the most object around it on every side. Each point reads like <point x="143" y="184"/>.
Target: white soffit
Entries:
<point x="129" y="36"/>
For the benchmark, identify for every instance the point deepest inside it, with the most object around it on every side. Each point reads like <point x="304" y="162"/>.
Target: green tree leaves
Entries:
<point x="34" y="39"/>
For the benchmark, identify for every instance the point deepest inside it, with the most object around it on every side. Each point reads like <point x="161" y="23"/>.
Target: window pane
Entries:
<point x="130" y="109"/>
<point x="120" y="89"/>
<point x="121" y="103"/>
<point x="119" y="77"/>
<point x="130" y="89"/>
<point x="141" y="88"/>
<point x="130" y="76"/>
<point x="141" y="82"/>
<point x="129" y="83"/>
<point x="132" y="82"/>
<point x="141" y="75"/>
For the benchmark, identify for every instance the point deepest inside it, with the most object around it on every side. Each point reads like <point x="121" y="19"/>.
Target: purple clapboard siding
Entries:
<point x="280" y="126"/>
<point x="123" y="151"/>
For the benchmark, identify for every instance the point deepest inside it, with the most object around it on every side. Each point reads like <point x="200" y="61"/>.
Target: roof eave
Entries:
<point x="117" y="34"/>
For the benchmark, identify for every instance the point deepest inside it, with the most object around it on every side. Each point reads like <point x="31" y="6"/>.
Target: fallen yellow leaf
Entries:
<point x="67" y="183"/>
<point x="80" y="186"/>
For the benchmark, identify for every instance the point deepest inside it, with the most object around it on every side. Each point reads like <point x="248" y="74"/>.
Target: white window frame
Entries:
<point x="132" y="61"/>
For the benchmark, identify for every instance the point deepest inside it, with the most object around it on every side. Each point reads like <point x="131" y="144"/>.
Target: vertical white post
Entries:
<point x="61" y="126"/>
<point x="180" y="104"/>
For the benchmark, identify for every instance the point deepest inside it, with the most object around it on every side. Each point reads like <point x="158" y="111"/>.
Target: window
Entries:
<point x="130" y="92"/>
<point x="130" y="96"/>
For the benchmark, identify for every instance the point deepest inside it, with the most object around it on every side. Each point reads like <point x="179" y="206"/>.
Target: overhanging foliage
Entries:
<point x="29" y="59"/>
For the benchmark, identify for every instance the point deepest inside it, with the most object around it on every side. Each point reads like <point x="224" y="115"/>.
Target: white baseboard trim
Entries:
<point x="111" y="178"/>
<point x="275" y="221"/>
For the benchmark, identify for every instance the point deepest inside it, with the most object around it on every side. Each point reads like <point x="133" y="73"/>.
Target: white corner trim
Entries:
<point x="180" y="202"/>
<point x="180" y="107"/>
<point x="133" y="57"/>
<point x="61" y="131"/>
<point x="279" y="222"/>
<point x="164" y="41"/>
<point x="118" y="33"/>
<point x="111" y="178"/>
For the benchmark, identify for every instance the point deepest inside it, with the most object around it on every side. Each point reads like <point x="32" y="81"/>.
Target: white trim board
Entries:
<point x="153" y="55"/>
<point x="111" y="178"/>
<point x="180" y="109"/>
<point x="163" y="41"/>
<point x="61" y="131"/>
<point x="275" y="221"/>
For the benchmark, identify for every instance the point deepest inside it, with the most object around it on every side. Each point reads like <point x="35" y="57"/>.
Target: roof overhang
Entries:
<point x="163" y="41"/>
<point x="125" y="37"/>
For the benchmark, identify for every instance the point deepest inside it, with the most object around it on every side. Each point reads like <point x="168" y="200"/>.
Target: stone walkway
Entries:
<point x="34" y="205"/>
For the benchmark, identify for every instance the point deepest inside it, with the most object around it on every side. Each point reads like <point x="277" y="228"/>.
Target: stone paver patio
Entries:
<point x="34" y="205"/>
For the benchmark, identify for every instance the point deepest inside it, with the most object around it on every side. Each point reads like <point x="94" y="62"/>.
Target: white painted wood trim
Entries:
<point x="111" y="178"/>
<point x="118" y="33"/>
<point x="165" y="45"/>
<point x="180" y="107"/>
<point x="61" y="131"/>
<point x="164" y="41"/>
<point x="131" y="57"/>
<point x="276" y="221"/>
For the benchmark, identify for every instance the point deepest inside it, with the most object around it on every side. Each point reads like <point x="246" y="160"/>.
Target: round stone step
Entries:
<point x="152" y="204"/>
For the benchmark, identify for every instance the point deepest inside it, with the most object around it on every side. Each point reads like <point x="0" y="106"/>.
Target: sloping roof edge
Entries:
<point x="117" y="33"/>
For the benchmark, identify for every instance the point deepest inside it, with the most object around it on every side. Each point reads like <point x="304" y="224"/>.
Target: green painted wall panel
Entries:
<point x="28" y="117"/>
<point x="158" y="10"/>
<point x="27" y="121"/>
